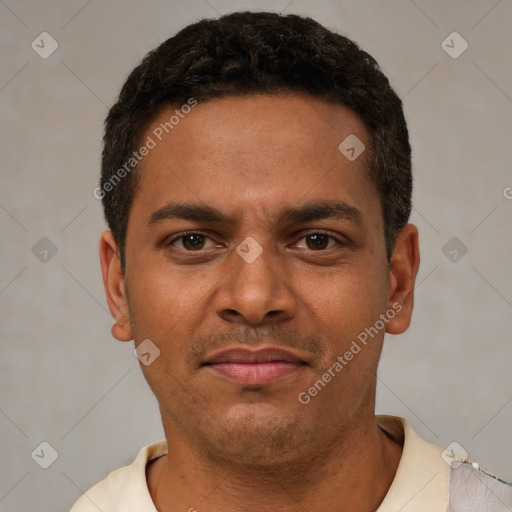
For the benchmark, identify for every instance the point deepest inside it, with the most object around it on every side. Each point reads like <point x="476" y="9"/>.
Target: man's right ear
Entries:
<point x="115" y="291"/>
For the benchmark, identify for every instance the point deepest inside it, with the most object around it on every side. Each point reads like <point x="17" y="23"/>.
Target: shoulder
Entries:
<point x="100" y="495"/>
<point x="431" y="478"/>
<point x="472" y="489"/>
<point x="123" y="487"/>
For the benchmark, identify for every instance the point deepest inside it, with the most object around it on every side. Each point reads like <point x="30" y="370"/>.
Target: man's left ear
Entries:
<point x="403" y="268"/>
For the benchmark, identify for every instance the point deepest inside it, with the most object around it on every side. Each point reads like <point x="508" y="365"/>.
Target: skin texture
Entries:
<point x="235" y="447"/>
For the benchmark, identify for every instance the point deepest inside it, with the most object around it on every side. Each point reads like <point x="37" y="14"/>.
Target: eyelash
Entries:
<point x="332" y="237"/>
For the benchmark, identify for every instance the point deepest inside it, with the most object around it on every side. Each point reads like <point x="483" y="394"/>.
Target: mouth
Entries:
<point x="254" y="367"/>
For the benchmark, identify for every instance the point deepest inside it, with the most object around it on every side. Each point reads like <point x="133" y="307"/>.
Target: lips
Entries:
<point x="254" y="367"/>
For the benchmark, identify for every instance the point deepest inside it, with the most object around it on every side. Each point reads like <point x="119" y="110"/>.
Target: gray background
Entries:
<point x="66" y="381"/>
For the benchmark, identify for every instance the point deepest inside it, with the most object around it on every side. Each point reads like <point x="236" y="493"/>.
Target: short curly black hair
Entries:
<point x="245" y="53"/>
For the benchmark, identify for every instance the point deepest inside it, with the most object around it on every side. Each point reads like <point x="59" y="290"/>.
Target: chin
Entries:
<point x="257" y="434"/>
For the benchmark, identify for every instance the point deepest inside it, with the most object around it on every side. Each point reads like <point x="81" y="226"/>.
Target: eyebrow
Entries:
<point x="305" y="213"/>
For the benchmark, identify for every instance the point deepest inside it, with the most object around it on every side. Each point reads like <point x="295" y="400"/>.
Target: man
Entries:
<point x="256" y="179"/>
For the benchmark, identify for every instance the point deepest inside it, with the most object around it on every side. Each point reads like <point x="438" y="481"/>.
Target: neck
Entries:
<point x="353" y="473"/>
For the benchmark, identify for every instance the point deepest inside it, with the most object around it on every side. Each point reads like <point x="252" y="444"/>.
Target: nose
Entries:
<point x="255" y="292"/>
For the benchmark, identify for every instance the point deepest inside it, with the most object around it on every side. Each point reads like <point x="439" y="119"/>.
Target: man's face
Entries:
<point x="196" y="286"/>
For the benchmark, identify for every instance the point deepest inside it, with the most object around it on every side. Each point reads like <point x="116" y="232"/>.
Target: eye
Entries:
<point x="191" y="241"/>
<point x="194" y="241"/>
<point x="319" y="241"/>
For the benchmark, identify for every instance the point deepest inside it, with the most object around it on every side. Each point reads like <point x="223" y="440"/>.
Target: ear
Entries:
<point x="403" y="268"/>
<point x="113" y="281"/>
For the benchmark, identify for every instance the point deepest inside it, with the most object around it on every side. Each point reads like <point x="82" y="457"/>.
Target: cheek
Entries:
<point x="168" y="306"/>
<point x="343" y="304"/>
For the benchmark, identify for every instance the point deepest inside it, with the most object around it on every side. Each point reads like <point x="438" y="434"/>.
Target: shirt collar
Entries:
<point x="421" y="483"/>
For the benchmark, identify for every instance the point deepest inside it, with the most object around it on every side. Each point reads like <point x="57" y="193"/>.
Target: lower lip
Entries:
<point x="255" y="373"/>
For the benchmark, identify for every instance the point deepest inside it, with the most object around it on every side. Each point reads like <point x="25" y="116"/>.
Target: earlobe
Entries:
<point x="113" y="282"/>
<point x="403" y="269"/>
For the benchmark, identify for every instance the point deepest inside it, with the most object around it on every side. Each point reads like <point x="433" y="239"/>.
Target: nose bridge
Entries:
<point x="255" y="287"/>
<point x="254" y="277"/>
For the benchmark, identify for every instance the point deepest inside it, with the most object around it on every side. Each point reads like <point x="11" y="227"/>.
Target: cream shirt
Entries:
<point x="424" y="481"/>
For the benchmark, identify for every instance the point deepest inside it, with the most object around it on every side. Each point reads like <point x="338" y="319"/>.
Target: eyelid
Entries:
<point x="184" y="234"/>
<point x="338" y="239"/>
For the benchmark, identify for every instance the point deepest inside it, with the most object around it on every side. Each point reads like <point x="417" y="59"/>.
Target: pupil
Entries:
<point x="193" y="241"/>
<point x="318" y="241"/>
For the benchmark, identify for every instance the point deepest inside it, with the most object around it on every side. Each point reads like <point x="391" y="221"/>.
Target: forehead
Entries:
<point x="257" y="124"/>
<point x="253" y="154"/>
